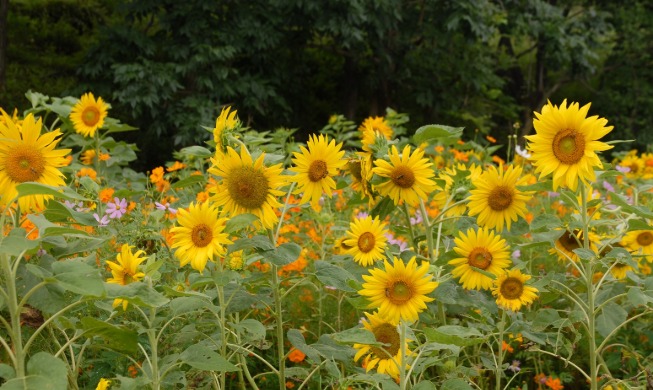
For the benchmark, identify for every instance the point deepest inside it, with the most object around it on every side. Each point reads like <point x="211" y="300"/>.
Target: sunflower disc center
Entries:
<point x="386" y="334"/>
<point x="317" y="171"/>
<point x="480" y="258"/>
<point x="569" y="241"/>
<point x="24" y="163"/>
<point x="512" y="288"/>
<point x="568" y="146"/>
<point x="366" y="242"/>
<point x="91" y="116"/>
<point x="248" y="187"/>
<point x="403" y="176"/>
<point x="202" y="235"/>
<point x="645" y="239"/>
<point x="399" y="292"/>
<point x="500" y="198"/>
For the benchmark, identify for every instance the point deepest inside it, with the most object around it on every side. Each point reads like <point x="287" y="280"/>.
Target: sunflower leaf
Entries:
<point x="31" y="188"/>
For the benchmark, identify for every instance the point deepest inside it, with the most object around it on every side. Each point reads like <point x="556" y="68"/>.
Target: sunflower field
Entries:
<point x="381" y="255"/>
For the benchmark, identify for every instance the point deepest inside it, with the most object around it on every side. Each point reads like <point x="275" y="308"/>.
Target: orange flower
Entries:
<point x="202" y="196"/>
<point x="106" y="195"/>
<point x="131" y="206"/>
<point x="554" y="383"/>
<point x="31" y="229"/>
<point x="104" y="156"/>
<point x="289" y="385"/>
<point x="491" y="139"/>
<point x="157" y="175"/>
<point x="506" y="347"/>
<point x="87" y="156"/>
<point x="498" y="160"/>
<point x="176" y="166"/>
<point x="68" y="159"/>
<point x="90" y="172"/>
<point x="540" y="378"/>
<point x="162" y="186"/>
<point x="296" y="356"/>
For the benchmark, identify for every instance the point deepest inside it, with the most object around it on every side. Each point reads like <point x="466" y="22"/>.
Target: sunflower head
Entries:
<point x="511" y="290"/>
<point x="377" y="124"/>
<point x="566" y="142"/>
<point x="569" y="241"/>
<point x="125" y="270"/>
<point x="366" y="240"/>
<point x="225" y="122"/>
<point x="88" y="114"/>
<point x="386" y="358"/>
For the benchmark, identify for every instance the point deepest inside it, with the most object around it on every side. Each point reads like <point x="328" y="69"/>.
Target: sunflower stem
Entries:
<point x="402" y="362"/>
<point x="429" y="232"/>
<point x="589" y="271"/>
<point x="411" y="231"/>
<point x="276" y="287"/>
<point x="223" y="334"/>
<point x="499" y="363"/>
<point x="14" y="316"/>
<point x="154" y="345"/>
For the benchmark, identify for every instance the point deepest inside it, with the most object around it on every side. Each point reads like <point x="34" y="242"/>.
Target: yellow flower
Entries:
<point x="639" y="242"/>
<point x="451" y="176"/>
<point x="87" y="156"/>
<point x="377" y="124"/>
<point x="366" y="240"/>
<point x="565" y="143"/>
<point x="386" y="358"/>
<point x="620" y="269"/>
<point x="235" y="261"/>
<point x="88" y="114"/>
<point x="635" y="165"/>
<point x="360" y="168"/>
<point x="247" y="186"/>
<point x="496" y="200"/>
<point x="410" y="176"/>
<point x="226" y="121"/>
<point x="26" y="155"/>
<point x="480" y="249"/>
<point x="199" y="236"/>
<point x="511" y="291"/>
<point x="568" y="241"/>
<point x="125" y="270"/>
<point x="399" y="290"/>
<point x="315" y="168"/>
<point x="103" y="384"/>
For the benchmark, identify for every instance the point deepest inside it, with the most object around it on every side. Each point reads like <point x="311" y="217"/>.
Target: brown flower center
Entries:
<point x="24" y="163"/>
<point x="402" y="176"/>
<point x="500" y="198"/>
<point x="201" y="235"/>
<point x="317" y="171"/>
<point x="645" y="238"/>
<point x="568" y="146"/>
<point x="366" y="242"/>
<point x="386" y="334"/>
<point x="480" y="258"/>
<point x="569" y="241"/>
<point x="91" y="116"/>
<point x="399" y="292"/>
<point x="248" y="187"/>
<point x="512" y="288"/>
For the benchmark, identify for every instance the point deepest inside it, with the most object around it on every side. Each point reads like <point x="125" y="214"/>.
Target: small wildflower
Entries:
<point x="117" y="208"/>
<point x="104" y="221"/>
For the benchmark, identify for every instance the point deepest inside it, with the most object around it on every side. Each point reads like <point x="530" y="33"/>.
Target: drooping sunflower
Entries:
<point x="511" y="291"/>
<point x="88" y="114"/>
<point x="399" y="290"/>
<point x="496" y="201"/>
<point x="565" y="143"/>
<point x="315" y="168"/>
<point x="377" y="124"/>
<point x="386" y="358"/>
<point x="199" y="236"/>
<point x="26" y="155"/>
<point x="480" y="249"/>
<point x="410" y="176"/>
<point x="226" y="121"/>
<point x="366" y="240"/>
<point x="125" y="270"/>
<point x="640" y="242"/>
<point x="360" y="168"/>
<point x="247" y="186"/>
<point x="568" y="241"/>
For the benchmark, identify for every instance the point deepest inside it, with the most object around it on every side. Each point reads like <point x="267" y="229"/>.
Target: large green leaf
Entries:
<point x="331" y="275"/>
<point x="454" y="334"/>
<point x="31" y="188"/>
<point x="119" y="339"/>
<point x="44" y="372"/>
<point x="78" y="277"/>
<point x="284" y="254"/>
<point x="138" y="293"/>
<point x="201" y="357"/>
<point x="442" y="134"/>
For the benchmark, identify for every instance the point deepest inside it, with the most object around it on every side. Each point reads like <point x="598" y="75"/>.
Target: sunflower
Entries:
<point x="225" y="121"/>
<point x="480" y="249"/>
<point x="620" y="269"/>
<point x="568" y="241"/>
<point x="511" y="291"/>
<point x="366" y="240"/>
<point x="360" y="168"/>
<point x="410" y="176"/>
<point x="454" y="186"/>
<point x="315" y="168"/>
<point x="88" y="114"/>
<point x="26" y="155"/>
<point x="386" y="358"/>
<point x="200" y="235"/>
<point x="635" y="165"/>
<point x="399" y="290"/>
<point x="247" y="186"/>
<point x="565" y="143"/>
<point x="496" y="200"/>
<point x="639" y="242"/>
<point x="125" y="270"/>
<point x="377" y="124"/>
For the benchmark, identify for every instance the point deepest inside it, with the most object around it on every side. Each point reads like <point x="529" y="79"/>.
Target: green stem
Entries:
<point x="429" y="227"/>
<point x="499" y="363"/>
<point x="154" y="350"/>
<point x="223" y="333"/>
<point x="411" y="230"/>
<point x="591" y="310"/>
<point x="276" y="292"/>
<point x="402" y="363"/>
<point x="14" y="316"/>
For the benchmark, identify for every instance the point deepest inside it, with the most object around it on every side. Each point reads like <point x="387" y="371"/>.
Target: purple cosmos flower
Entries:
<point x="608" y="186"/>
<point x="117" y="208"/>
<point x="161" y="206"/>
<point x="516" y="254"/>
<point x="104" y="221"/>
<point x="77" y="206"/>
<point x="362" y="215"/>
<point x="417" y="219"/>
<point x="514" y="367"/>
<point x="403" y="245"/>
<point x="622" y="169"/>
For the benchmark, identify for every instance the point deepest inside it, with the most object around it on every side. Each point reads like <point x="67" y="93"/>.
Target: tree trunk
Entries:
<point x="4" y="9"/>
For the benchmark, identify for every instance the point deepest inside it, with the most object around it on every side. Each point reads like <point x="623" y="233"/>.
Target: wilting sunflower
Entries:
<point x="399" y="290"/>
<point x="200" y="235"/>
<point x="226" y="121"/>
<point x="360" y="168"/>
<point x="247" y="186"/>
<point x="125" y="270"/>
<point x="386" y="358"/>
<point x="511" y="291"/>
<point x="27" y="155"/>
<point x="565" y="143"/>
<point x="315" y="168"/>
<point x="568" y="241"/>
<point x="480" y="249"/>
<point x="366" y="240"/>
<point x="377" y="124"/>
<point x="410" y="176"/>
<point x="640" y="242"/>
<point x="496" y="200"/>
<point x="88" y="114"/>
